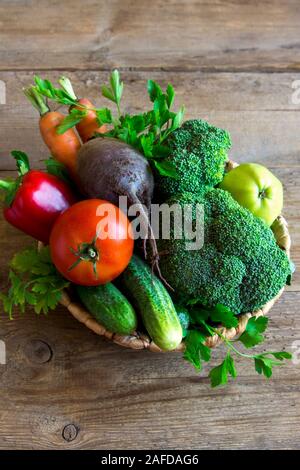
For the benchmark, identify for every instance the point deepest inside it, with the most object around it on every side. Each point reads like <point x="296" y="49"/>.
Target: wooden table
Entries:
<point x="232" y="62"/>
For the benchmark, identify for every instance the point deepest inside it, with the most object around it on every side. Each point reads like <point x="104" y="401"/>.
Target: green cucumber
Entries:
<point x="153" y="302"/>
<point x="109" y="307"/>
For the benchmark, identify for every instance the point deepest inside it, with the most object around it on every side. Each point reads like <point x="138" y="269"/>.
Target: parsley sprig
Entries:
<point x="203" y="322"/>
<point x="33" y="280"/>
<point x="147" y="132"/>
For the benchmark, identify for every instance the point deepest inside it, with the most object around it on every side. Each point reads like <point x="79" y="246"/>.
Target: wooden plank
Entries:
<point x="60" y="374"/>
<point x="198" y="35"/>
<point x="256" y="108"/>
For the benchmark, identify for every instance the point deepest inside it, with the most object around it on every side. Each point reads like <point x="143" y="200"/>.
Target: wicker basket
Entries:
<point x="142" y="341"/>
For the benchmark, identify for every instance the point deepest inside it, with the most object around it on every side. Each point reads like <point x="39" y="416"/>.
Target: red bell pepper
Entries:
<point x="35" y="199"/>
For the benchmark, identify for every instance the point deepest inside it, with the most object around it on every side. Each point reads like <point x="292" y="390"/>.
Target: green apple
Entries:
<point x="256" y="188"/>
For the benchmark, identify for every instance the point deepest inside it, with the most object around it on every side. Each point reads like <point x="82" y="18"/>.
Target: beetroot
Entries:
<point x="109" y="168"/>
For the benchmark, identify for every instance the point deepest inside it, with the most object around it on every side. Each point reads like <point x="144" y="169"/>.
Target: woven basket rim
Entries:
<point x="139" y="341"/>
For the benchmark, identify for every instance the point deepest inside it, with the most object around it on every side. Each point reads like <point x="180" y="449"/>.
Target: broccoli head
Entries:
<point x="240" y="265"/>
<point x="199" y="153"/>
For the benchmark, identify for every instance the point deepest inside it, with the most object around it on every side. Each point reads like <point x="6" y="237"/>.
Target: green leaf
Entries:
<point x="132" y="138"/>
<point x="219" y="374"/>
<point x="107" y="93"/>
<point x="123" y="134"/>
<point x="218" y="314"/>
<point x="224" y="315"/>
<point x="45" y="88"/>
<point x="104" y="116"/>
<point x="154" y="90"/>
<point x="22" y="161"/>
<point x="166" y="168"/>
<point x="160" y="151"/>
<point x="34" y="281"/>
<point x="170" y="95"/>
<point x="160" y="109"/>
<point x="195" y="350"/>
<point x="147" y="145"/>
<point x="264" y="363"/>
<point x="231" y="366"/>
<point x="22" y="261"/>
<point x="137" y="123"/>
<point x="116" y="86"/>
<point x="177" y="121"/>
<point x="281" y="355"/>
<point x="73" y="118"/>
<point x="252" y="335"/>
<point x="115" y="91"/>
<point x="199" y="314"/>
<point x="263" y="366"/>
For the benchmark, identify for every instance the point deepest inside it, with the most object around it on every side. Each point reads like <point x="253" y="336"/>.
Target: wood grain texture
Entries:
<point x="121" y="399"/>
<point x="185" y="34"/>
<point x="64" y="387"/>
<point x="257" y="109"/>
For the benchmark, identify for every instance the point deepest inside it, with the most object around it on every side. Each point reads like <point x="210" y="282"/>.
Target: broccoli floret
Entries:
<point x="199" y="153"/>
<point x="240" y="265"/>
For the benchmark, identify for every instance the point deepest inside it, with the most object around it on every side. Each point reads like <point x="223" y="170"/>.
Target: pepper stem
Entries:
<point x="6" y="185"/>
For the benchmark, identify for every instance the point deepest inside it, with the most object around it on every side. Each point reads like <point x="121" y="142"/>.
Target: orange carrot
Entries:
<point x="63" y="147"/>
<point x="88" y="126"/>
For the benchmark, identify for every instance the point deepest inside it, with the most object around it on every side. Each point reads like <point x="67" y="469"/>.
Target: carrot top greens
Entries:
<point x="147" y="132"/>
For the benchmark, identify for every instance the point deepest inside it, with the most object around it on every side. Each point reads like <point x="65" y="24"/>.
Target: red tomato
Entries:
<point x="91" y="242"/>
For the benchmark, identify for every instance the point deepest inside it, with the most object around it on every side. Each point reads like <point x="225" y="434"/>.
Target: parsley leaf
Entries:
<point x="264" y="363"/>
<point x="263" y="366"/>
<point x="154" y="90"/>
<point x="195" y="350"/>
<point x="104" y="116"/>
<point x="252" y="335"/>
<point x="170" y="95"/>
<point x="115" y="91"/>
<point x="217" y="314"/>
<point x="219" y="374"/>
<point x="224" y="315"/>
<point x="33" y="280"/>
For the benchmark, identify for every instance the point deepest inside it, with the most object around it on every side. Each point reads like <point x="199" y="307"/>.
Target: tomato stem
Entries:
<point x="86" y="252"/>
